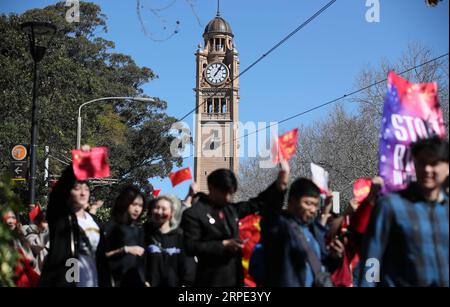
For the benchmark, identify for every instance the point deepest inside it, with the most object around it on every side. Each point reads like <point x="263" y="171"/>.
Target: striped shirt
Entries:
<point x="409" y="238"/>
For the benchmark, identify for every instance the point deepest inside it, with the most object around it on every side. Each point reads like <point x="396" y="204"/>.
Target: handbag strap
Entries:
<point x="312" y="258"/>
<point x="72" y="238"/>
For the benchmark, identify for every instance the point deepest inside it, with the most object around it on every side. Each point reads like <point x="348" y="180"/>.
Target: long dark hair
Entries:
<point x="119" y="211"/>
<point x="58" y="198"/>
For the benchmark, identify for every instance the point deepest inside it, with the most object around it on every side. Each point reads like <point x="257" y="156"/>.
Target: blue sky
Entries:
<point x="318" y="64"/>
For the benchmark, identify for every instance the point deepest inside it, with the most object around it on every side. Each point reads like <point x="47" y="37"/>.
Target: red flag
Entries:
<point x="275" y="151"/>
<point x="34" y="212"/>
<point x="288" y="144"/>
<point x="90" y="164"/>
<point x="285" y="146"/>
<point x="249" y="233"/>
<point x="180" y="176"/>
<point x="25" y="274"/>
<point x="360" y="219"/>
<point x="156" y="192"/>
<point x="361" y="189"/>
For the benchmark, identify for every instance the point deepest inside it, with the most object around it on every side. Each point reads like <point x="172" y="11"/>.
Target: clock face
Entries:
<point x="216" y="73"/>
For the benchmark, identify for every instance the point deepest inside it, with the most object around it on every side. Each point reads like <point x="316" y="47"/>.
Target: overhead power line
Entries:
<point x="332" y="101"/>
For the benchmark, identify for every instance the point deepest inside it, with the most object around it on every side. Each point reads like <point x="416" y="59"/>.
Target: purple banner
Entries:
<point x="411" y="112"/>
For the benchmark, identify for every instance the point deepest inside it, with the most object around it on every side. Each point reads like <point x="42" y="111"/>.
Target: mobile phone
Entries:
<point x="341" y="237"/>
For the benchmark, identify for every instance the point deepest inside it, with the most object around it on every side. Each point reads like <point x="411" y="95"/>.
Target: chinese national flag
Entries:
<point x="180" y="176"/>
<point x="360" y="219"/>
<point x="250" y="233"/>
<point x="361" y="189"/>
<point x="286" y="145"/>
<point x="156" y="192"/>
<point x="90" y="164"/>
<point x="34" y="213"/>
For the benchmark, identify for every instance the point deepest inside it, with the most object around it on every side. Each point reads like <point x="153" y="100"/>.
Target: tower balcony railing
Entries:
<point x="216" y="116"/>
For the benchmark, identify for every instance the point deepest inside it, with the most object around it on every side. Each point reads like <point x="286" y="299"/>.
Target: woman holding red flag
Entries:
<point x="74" y="235"/>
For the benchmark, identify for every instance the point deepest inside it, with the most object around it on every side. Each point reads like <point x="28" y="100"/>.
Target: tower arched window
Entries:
<point x="216" y="105"/>
<point x="210" y="106"/>
<point x="223" y="107"/>
<point x="220" y="42"/>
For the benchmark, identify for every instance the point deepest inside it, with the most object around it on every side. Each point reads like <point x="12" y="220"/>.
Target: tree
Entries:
<point x="79" y="66"/>
<point x="253" y="179"/>
<point x="370" y="102"/>
<point x="8" y="253"/>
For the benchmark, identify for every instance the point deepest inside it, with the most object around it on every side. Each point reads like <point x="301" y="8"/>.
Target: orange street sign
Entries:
<point x="19" y="152"/>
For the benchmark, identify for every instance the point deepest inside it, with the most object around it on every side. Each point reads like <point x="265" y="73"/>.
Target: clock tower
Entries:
<point x="217" y="101"/>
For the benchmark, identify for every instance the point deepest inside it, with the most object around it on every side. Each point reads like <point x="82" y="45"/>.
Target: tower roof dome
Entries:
<point x="218" y="26"/>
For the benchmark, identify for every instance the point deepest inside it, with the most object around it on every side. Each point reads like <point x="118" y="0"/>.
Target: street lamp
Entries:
<point x="141" y="99"/>
<point x="39" y="35"/>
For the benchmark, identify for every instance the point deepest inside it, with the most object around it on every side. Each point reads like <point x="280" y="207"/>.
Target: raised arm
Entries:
<point x="269" y="200"/>
<point x="193" y="189"/>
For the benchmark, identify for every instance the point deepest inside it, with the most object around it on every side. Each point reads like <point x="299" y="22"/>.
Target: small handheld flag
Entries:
<point x="90" y="164"/>
<point x="180" y="176"/>
<point x="284" y="147"/>
<point x="156" y="192"/>
<point x="34" y="213"/>
<point x="361" y="189"/>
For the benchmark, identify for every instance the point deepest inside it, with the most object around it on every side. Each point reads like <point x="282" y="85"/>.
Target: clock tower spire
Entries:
<point x="217" y="101"/>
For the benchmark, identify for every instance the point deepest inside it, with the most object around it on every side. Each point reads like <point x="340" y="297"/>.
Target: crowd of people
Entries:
<point x="389" y="239"/>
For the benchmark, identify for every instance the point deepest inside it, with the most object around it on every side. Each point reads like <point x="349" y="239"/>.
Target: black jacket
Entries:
<point x="204" y="232"/>
<point x="64" y="235"/>
<point x="124" y="270"/>
<point x="166" y="263"/>
<point x="67" y="240"/>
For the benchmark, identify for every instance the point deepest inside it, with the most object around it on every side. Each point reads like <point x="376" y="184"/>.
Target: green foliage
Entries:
<point x="80" y="66"/>
<point x="8" y="254"/>
<point x="104" y="214"/>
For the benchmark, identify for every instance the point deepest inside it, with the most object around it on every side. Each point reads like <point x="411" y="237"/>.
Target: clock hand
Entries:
<point x="218" y="69"/>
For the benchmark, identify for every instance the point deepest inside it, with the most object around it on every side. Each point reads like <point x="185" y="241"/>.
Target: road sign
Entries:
<point x="19" y="170"/>
<point x="19" y="152"/>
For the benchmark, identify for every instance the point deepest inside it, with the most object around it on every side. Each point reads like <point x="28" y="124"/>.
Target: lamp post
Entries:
<point x="39" y="36"/>
<point x="102" y="99"/>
